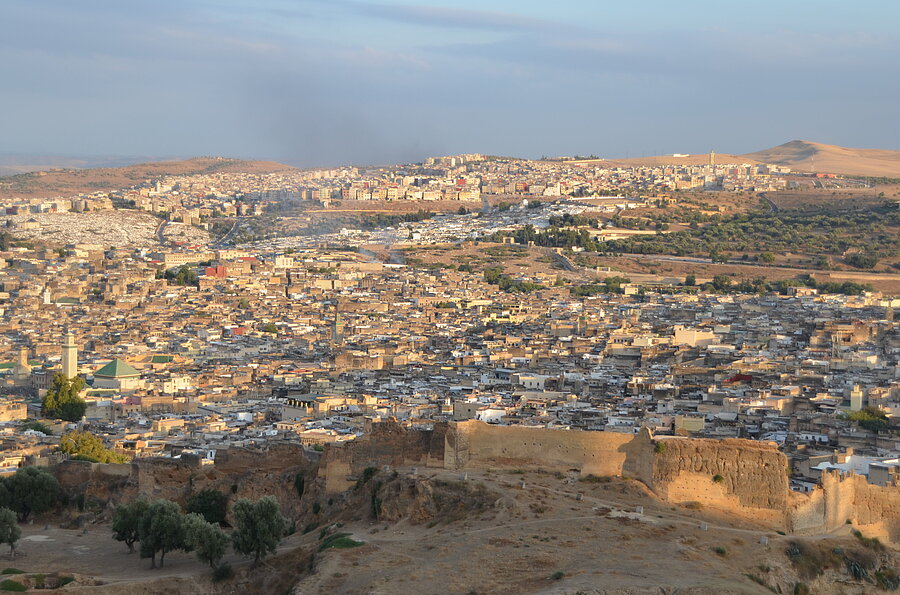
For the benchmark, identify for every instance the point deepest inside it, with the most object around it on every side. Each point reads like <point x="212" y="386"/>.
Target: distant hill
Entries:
<point x="17" y="163"/>
<point x="701" y="159"/>
<point x="68" y="182"/>
<point x="817" y="157"/>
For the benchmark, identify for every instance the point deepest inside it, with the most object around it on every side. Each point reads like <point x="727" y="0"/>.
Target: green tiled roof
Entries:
<point x="116" y="369"/>
<point x="162" y="359"/>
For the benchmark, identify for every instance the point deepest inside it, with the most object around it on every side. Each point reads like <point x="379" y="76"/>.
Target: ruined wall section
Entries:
<point x="389" y="443"/>
<point x="239" y="473"/>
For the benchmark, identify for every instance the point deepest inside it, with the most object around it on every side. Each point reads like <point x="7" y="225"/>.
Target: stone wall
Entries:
<point x="476" y="444"/>
<point x="741" y="477"/>
<point x="846" y="496"/>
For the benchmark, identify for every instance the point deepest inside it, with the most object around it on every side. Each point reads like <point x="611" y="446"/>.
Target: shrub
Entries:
<point x="888" y="579"/>
<point x="718" y="478"/>
<point x="223" y="572"/>
<point x="368" y="473"/>
<point x="10" y="585"/>
<point x="856" y="570"/>
<point x="720" y="551"/>
<point x="12" y="571"/>
<point x="801" y="589"/>
<point x="810" y="561"/>
<point x="659" y="448"/>
<point x="339" y="541"/>
<point x="557" y="575"/>
<point x="870" y="542"/>
<point x="590" y="478"/>
<point x="693" y="505"/>
<point x="316" y="507"/>
<point x="210" y="504"/>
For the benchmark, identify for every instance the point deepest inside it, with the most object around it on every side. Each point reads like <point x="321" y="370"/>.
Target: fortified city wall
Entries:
<point x="744" y="478"/>
<point x="739" y="477"/>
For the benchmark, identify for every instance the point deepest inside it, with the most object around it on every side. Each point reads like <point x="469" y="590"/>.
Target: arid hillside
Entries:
<point x="817" y="157"/>
<point x="67" y="182"/>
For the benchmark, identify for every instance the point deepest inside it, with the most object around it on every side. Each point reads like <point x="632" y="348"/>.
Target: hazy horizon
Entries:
<point x="316" y="83"/>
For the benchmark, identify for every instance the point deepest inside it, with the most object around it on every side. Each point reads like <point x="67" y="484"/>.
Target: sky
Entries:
<point x="331" y="82"/>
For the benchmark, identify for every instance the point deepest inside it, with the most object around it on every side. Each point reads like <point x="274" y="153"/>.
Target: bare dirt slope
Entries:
<point x="512" y="531"/>
<point x="817" y="157"/>
<point x="539" y="536"/>
<point x="68" y="182"/>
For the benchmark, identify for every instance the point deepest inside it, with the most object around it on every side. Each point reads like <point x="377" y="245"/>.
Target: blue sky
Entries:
<point x="325" y="82"/>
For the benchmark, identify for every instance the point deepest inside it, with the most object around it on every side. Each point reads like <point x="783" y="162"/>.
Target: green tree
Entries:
<point x="690" y="280"/>
<point x="127" y="522"/>
<point x="862" y="261"/>
<point x="9" y="529"/>
<point x="721" y="282"/>
<point x="161" y="531"/>
<point x="870" y="418"/>
<point x="210" y="504"/>
<point x="207" y="539"/>
<point x="259" y="527"/>
<point x="62" y="400"/>
<point x="767" y="257"/>
<point x="85" y="446"/>
<point x="269" y="327"/>
<point x="33" y="424"/>
<point x="30" y="490"/>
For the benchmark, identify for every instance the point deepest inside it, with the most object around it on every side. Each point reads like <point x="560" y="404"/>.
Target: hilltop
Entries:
<point x="810" y="156"/>
<point x="800" y="155"/>
<point x="659" y="160"/>
<point x="67" y="182"/>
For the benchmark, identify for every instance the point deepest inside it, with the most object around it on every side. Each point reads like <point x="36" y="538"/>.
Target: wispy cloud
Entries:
<point x="449" y="17"/>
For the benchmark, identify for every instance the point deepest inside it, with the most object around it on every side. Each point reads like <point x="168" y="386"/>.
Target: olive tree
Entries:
<point x="161" y="530"/>
<point x="258" y="527"/>
<point x="126" y="524"/>
<point x="9" y="529"/>
<point x="208" y="540"/>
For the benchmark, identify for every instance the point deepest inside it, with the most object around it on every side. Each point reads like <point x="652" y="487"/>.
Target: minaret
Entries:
<point x="712" y="158"/>
<point x="337" y="327"/>
<point x="70" y="356"/>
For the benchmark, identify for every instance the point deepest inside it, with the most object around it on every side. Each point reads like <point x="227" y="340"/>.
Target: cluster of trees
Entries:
<point x="84" y="446"/>
<point x="62" y="400"/>
<point x="861" y="260"/>
<point x="495" y="276"/>
<point x="870" y="418"/>
<point x="609" y="285"/>
<point x="183" y="275"/>
<point x="160" y="527"/>
<point x="569" y="220"/>
<point x="724" y="284"/>
<point x="767" y="232"/>
<point x="382" y="220"/>
<point x="30" y="490"/>
<point x="776" y="232"/>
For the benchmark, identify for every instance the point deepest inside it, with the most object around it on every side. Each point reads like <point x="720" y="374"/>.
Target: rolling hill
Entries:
<point x="799" y="155"/>
<point x="817" y="157"/>
<point x="68" y="182"/>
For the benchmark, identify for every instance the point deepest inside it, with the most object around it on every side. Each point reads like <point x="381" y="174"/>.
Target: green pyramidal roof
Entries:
<point x="116" y="369"/>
